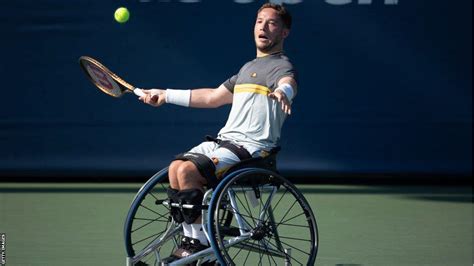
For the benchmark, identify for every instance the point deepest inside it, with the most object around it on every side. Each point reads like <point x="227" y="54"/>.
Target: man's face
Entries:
<point x="269" y="31"/>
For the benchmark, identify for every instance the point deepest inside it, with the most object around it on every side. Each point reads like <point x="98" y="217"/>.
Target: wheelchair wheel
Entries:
<point x="150" y="233"/>
<point x="258" y="217"/>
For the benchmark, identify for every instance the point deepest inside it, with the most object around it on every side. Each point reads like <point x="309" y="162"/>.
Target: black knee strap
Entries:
<point x="174" y="211"/>
<point x="205" y="165"/>
<point x="192" y="197"/>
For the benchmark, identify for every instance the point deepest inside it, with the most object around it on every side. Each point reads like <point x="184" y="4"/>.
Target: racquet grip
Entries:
<point x="138" y="92"/>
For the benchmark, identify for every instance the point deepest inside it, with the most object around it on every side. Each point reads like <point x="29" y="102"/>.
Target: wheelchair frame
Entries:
<point x="258" y="235"/>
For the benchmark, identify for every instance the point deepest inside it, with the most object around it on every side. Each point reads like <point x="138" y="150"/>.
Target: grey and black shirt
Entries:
<point x="255" y="120"/>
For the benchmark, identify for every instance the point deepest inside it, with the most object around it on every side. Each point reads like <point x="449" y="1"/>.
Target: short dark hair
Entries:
<point x="282" y="12"/>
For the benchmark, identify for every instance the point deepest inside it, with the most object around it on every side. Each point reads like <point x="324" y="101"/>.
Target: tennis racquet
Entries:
<point x="106" y="80"/>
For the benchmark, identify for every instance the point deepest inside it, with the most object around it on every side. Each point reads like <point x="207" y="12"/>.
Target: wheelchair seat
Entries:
<point x="268" y="163"/>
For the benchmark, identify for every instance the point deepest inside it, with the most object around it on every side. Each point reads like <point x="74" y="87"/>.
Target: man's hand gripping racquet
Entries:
<point x="106" y="80"/>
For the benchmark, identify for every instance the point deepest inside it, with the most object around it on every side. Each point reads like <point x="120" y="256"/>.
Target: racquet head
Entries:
<point x="104" y="79"/>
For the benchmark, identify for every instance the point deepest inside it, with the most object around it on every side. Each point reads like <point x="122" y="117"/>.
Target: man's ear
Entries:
<point x="286" y="32"/>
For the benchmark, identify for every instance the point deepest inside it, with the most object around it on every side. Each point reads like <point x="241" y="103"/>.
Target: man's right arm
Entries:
<point x="210" y="98"/>
<point x="198" y="98"/>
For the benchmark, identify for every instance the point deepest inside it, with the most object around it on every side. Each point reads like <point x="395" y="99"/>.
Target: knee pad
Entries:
<point x="193" y="197"/>
<point x="175" y="212"/>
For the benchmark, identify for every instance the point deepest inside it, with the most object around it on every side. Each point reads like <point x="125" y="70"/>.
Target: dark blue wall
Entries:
<point x="383" y="88"/>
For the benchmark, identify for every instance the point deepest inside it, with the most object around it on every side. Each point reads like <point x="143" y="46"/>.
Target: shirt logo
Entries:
<point x="253" y="75"/>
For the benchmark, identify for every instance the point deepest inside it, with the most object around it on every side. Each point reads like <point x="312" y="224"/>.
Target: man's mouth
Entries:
<point x="262" y="37"/>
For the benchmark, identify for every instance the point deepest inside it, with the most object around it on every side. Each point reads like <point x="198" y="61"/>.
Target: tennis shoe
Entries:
<point x="187" y="247"/>
<point x="183" y="249"/>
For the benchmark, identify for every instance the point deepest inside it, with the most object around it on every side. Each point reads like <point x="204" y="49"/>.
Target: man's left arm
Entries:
<point x="285" y="92"/>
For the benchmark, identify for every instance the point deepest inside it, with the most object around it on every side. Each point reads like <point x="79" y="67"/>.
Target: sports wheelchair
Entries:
<point x="254" y="216"/>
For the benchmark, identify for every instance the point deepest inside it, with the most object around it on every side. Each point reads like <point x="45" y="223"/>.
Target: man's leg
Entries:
<point x="188" y="175"/>
<point x="191" y="184"/>
<point x="172" y="192"/>
<point x="186" y="187"/>
<point x="173" y="173"/>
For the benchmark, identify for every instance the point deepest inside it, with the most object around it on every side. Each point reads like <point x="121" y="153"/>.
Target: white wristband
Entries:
<point x="287" y="90"/>
<point x="178" y="97"/>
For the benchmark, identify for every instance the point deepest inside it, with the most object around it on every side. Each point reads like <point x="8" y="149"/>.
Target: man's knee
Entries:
<point x="188" y="175"/>
<point x="197" y="170"/>
<point x="173" y="173"/>
<point x="174" y="166"/>
<point x="186" y="168"/>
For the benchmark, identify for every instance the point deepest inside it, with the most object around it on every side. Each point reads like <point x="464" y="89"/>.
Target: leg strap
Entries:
<point x="175" y="212"/>
<point x="192" y="197"/>
<point x="205" y="165"/>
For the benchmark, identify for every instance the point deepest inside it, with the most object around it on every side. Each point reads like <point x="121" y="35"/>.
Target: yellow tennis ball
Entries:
<point x="122" y="15"/>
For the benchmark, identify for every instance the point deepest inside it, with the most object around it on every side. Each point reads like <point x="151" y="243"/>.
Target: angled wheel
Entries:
<point x="150" y="233"/>
<point x="258" y="217"/>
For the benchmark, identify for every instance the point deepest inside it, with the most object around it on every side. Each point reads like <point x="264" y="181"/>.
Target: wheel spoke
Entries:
<point x="151" y="210"/>
<point x="289" y="219"/>
<point x="146" y="238"/>
<point x="146" y="224"/>
<point x="291" y="257"/>
<point x="287" y="212"/>
<point x="249" y="209"/>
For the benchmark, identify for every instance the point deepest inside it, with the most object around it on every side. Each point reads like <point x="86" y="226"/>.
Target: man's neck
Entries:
<point x="274" y="51"/>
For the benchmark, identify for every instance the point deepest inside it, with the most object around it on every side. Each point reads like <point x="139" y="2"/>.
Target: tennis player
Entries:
<point x="261" y="94"/>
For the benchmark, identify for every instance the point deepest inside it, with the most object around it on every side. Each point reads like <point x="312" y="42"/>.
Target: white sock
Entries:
<point x="187" y="229"/>
<point x="199" y="234"/>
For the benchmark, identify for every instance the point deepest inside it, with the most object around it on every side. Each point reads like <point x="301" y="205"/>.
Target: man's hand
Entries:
<point x="154" y="97"/>
<point x="282" y="99"/>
